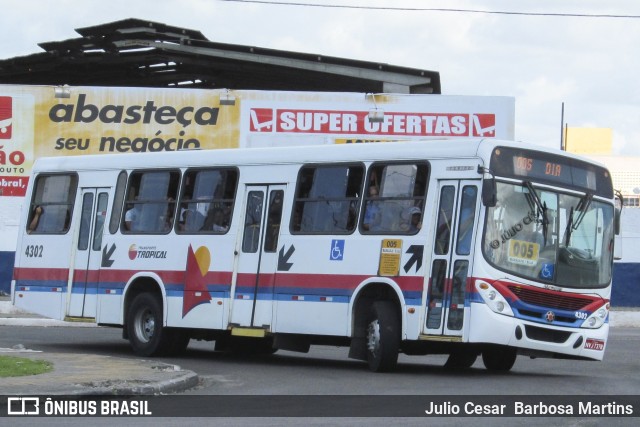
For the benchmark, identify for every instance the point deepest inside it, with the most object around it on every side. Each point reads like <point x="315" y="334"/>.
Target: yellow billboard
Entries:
<point x="40" y="121"/>
<point x="588" y="140"/>
<point x="102" y="120"/>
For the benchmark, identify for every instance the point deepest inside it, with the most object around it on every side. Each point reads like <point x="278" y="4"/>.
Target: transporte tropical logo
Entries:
<point x="133" y="252"/>
<point x="146" y="252"/>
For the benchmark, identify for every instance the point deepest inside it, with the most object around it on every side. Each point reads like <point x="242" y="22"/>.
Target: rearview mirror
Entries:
<point x="617" y="213"/>
<point x="489" y="190"/>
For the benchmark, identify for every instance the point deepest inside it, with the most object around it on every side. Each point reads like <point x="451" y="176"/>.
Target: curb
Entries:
<point x="175" y="385"/>
<point x="93" y="375"/>
<point x="42" y="322"/>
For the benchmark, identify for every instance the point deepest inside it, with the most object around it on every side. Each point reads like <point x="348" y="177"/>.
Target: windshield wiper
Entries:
<point x="538" y="207"/>
<point x="581" y="207"/>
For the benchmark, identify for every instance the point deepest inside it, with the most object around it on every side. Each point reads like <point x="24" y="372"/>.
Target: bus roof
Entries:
<point x="428" y="149"/>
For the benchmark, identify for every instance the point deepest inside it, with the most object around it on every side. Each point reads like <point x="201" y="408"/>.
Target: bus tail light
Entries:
<point x="493" y="298"/>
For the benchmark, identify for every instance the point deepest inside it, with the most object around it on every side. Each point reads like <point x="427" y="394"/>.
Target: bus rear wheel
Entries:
<point x="383" y="337"/>
<point x="499" y="358"/>
<point x="147" y="335"/>
<point x="460" y="360"/>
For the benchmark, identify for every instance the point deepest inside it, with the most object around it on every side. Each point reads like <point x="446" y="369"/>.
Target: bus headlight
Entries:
<point x="598" y="318"/>
<point x="493" y="298"/>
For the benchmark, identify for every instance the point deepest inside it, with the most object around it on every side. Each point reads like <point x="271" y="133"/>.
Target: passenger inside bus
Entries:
<point x="372" y="217"/>
<point x="35" y="220"/>
<point x="395" y="198"/>
<point x="215" y="221"/>
<point x="415" y="223"/>
<point x="131" y="216"/>
<point x="191" y="219"/>
<point x="55" y="220"/>
<point x="166" y="220"/>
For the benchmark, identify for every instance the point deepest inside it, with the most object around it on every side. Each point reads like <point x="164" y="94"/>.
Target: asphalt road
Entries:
<point x="327" y="371"/>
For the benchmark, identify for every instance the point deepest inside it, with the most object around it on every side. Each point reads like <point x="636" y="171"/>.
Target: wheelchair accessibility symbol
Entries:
<point x="337" y="250"/>
<point x="547" y="271"/>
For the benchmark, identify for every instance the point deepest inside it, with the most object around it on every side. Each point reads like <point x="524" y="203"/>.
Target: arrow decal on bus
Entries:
<point x="283" y="259"/>
<point x="416" y="252"/>
<point x="106" y="256"/>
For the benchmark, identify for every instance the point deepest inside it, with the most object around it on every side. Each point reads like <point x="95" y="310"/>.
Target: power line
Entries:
<point x="437" y="9"/>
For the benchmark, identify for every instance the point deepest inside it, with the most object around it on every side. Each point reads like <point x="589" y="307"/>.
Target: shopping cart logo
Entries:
<point x="6" y="116"/>
<point x="483" y="125"/>
<point x="262" y="119"/>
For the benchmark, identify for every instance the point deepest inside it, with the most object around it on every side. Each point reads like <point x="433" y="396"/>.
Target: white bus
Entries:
<point x="465" y="248"/>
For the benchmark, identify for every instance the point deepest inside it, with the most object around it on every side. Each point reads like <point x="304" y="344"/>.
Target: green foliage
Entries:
<point x="19" y="366"/>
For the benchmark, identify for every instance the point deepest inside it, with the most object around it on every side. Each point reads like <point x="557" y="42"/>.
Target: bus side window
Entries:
<point x="52" y="204"/>
<point x="274" y="217"/>
<point x="394" y="202"/>
<point x="103" y="201"/>
<point x="150" y="204"/>
<point x="252" y="222"/>
<point x="467" y="219"/>
<point x="118" y="202"/>
<point x="327" y="199"/>
<point x="445" y="220"/>
<point x="207" y="201"/>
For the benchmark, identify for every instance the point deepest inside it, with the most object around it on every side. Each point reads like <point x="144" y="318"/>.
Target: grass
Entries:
<point x="19" y="366"/>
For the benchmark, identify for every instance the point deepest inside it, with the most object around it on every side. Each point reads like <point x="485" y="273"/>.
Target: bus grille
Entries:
<point x="541" y="316"/>
<point x="547" y="335"/>
<point x="550" y="299"/>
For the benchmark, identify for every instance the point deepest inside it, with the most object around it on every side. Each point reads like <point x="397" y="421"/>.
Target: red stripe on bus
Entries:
<point x="282" y="280"/>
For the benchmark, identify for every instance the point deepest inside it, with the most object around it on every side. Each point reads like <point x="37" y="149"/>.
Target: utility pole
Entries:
<point x="562" y="132"/>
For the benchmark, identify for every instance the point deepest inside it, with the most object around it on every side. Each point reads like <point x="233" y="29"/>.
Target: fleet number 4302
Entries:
<point x="34" y="251"/>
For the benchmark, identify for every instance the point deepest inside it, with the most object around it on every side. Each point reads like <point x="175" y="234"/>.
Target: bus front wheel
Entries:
<point x="499" y="358"/>
<point x="383" y="337"/>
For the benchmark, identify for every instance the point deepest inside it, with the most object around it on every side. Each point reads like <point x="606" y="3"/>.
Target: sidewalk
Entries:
<point x="87" y="374"/>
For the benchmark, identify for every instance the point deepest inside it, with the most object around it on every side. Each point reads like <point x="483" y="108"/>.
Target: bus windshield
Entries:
<point x="544" y="235"/>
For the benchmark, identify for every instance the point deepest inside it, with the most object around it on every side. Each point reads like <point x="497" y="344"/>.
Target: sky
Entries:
<point x="589" y="64"/>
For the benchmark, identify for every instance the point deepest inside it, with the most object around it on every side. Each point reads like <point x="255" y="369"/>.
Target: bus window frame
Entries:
<point x="567" y="191"/>
<point x="181" y="200"/>
<point x="119" y="201"/>
<point x="296" y="199"/>
<point x="136" y="172"/>
<point x="71" y="202"/>
<point x="366" y="198"/>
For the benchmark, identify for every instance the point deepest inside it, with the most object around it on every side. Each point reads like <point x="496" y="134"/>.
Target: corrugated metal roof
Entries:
<point x="135" y="52"/>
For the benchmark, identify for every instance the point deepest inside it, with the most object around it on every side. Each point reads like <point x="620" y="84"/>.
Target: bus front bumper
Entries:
<point x="536" y="339"/>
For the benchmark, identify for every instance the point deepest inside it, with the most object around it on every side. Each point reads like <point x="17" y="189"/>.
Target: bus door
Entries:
<point x="258" y="256"/>
<point x="82" y="299"/>
<point x="451" y="257"/>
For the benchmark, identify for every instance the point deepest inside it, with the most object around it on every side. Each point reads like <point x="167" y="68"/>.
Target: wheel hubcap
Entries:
<point x="373" y="336"/>
<point x="145" y="325"/>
